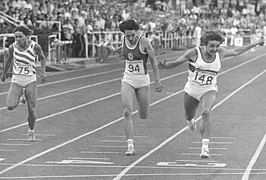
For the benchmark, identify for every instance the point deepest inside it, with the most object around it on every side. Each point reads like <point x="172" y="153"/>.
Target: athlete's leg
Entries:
<point x="31" y="94"/>
<point x="128" y="96"/>
<point x="208" y="101"/>
<point x="191" y="105"/>
<point x="13" y="95"/>
<point x="143" y="100"/>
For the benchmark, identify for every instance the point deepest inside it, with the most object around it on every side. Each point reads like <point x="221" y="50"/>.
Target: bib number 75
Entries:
<point x="24" y="70"/>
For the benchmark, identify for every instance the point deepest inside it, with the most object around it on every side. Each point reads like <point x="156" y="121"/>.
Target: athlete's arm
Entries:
<point x="9" y="62"/>
<point x="114" y="50"/>
<point x="239" y="50"/>
<point x="150" y="51"/>
<point x="39" y="52"/>
<point x="190" y="55"/>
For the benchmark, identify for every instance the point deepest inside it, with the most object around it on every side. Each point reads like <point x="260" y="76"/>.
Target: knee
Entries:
<point x="127" y="113"/>
<point x="206" y="114"/>
<point x="10" y="108"/>
<point x="143" y="115"/>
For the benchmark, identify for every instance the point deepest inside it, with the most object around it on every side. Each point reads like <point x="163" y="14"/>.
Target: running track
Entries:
<point x="80" y="133"/>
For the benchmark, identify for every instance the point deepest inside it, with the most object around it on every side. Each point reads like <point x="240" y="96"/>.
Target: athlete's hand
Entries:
<point x="3" y="77"/>
<point x="43" y="78"/>
<point x="158" y="86"/>
<point x="162" y="65"/>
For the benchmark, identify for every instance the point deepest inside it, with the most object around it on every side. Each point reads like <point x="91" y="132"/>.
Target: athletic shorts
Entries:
<point x="23" y="80"/>
<point x="197" y="91"/>
<point x="136" y="81"/>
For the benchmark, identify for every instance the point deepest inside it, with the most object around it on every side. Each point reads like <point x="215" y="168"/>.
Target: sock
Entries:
<point x="31" y="130"/>
<point x="130" y="142"/>
<point x="205" y="142"/>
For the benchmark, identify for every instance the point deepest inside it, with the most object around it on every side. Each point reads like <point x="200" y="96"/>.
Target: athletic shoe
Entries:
<point x="31" y="136"/>
<point x="191" y="125"/>
<point x="130" y="151"/>
<point x="204" y="152"/>
<point x="22" y="99"/>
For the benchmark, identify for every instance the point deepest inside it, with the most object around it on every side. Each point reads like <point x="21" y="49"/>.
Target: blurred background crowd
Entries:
<point x="186" y="17"/>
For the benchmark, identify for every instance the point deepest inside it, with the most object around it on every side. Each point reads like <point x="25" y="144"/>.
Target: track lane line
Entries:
<point x="254" y="159"/>
<point x="123" y="173"/>
<point x="109" y="124"/>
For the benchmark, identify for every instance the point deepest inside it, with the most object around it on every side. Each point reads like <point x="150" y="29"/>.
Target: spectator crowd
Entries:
<point x="79" y="18"/>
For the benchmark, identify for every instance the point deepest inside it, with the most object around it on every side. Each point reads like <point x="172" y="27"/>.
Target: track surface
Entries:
<point x="80" y="133"/>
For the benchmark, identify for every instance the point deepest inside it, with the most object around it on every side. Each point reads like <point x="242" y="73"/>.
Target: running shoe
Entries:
<point x="130" y="151"/>
<point x="31" y="136"/>
<point x="191" y="125"/>
<point x="204" y="152"/>
<point x="22" y="99"/>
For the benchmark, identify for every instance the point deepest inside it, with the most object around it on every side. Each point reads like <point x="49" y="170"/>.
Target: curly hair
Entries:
<point x="128" y="25"/>
<point x="212" y="35"/>
<point x="26" y="31"/>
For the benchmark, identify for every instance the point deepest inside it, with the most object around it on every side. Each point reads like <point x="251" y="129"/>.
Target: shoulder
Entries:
<point x="11" y="47"/>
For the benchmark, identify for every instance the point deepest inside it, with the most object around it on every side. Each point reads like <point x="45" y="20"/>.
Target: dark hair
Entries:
<point x="128" y="25"/>
<point x="212" y="35"/>
<point x="26" y="31"/>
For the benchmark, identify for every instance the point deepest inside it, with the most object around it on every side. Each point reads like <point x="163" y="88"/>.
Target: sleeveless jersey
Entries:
<point x="202" y="72"/>
<point x="135" y="59"/>
<point x="24" y="61"/>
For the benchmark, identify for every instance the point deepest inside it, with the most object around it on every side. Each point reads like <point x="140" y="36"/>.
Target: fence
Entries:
<point x="61" y="51"/>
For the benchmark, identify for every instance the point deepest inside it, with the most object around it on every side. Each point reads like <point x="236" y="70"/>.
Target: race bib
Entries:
<point x="135" y="67"/>
<point x="204" y="77"/>
<point x="24" y="70"/>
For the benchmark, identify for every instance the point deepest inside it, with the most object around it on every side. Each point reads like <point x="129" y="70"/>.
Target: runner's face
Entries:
<point x="130" y="35"/>
<point x="20" y="37"/>
<point x="212" y="47"/>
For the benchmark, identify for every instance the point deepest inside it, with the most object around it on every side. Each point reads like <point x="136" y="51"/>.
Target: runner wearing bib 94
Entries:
<point x="204" y="66"/>
<point x="22" y="56"/>
<point x="137" y="50"/>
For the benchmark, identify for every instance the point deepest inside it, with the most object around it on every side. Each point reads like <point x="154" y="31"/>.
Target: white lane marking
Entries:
<point x="80" y="106"/>
<point x="8" y="144"/>
<point x="135" y="176"/>
<point x="98" y="152"/>
<point x="197" y="154"/>
<point x="109" y="124"/>
<point x="123" y="172"/>
<point x="254" y="159"/>
<point x="89" y="158"/>
<point x="7" y="150"/>
<point x="209" y="148"/>
<point x="214" y="142"/>
<point x="78" y="161"/>
<point x="92" y="85"/>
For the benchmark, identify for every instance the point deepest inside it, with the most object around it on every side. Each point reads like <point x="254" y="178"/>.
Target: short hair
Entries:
<point x="128" y="25"/>
<point x="26" y="31"/>
<point x="212" y="35"/>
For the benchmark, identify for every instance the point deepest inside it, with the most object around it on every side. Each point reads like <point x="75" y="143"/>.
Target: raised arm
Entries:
<point x="187" y="56"/>
<point x="9" y="62"/>
<point x="239" y="50"/>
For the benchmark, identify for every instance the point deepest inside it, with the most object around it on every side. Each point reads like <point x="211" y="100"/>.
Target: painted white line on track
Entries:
<point x="135" y="176"/>
<point x="254" y="159"/>
<point x="92" y="85"/>
<point x="8" y="144"/>
<point x="109" y="124"/>
<point x="98" y="152"/>
<point x="213" y="142"/>
<point x="123" y="172"/>
<point x="209" y="148"/>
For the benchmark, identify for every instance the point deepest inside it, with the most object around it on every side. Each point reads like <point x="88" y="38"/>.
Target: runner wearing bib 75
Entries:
<point x="22" y="56"/>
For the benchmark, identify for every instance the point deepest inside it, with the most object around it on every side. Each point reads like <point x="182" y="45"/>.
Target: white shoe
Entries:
<point x="31" y="136"/>
<point x="130" y="151"/>
<point x="191" y="125"/>
<point x="204" y="152"/>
